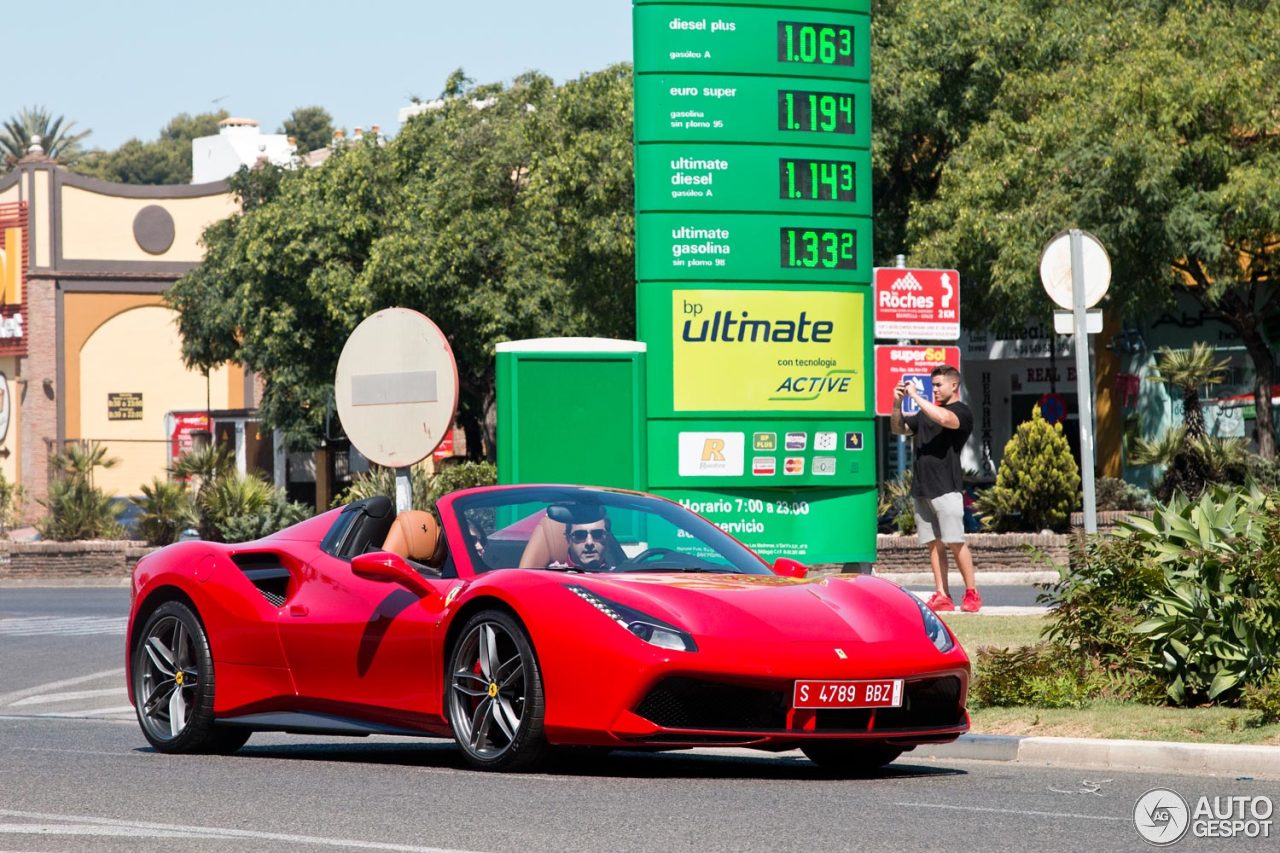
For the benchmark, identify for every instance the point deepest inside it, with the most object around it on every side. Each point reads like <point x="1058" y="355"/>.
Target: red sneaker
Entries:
<point x="940" y="602"/>
<point x="972" y="601"/>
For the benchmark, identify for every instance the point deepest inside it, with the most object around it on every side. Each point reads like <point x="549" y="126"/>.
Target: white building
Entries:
<point x="240" y="142"/>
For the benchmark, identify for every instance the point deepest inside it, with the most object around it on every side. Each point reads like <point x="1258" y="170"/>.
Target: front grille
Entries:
<point x="687" y="703"/>
<point x="929" y="703"/>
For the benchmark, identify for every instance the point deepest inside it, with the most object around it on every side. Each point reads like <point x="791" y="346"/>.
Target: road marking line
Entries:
<point x="139" y="827"/>
<point x="1007" y="811"/>
<point x="96" y="712"/>
<point x="56" y="685"/>
<point x="72" y="751"/>
<point x="42" y="698"/>
<point x="71" y="626"/>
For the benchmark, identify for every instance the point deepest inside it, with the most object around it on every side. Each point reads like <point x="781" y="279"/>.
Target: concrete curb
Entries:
<point x="1216" y="759"/>
<point x="982" y="578"/>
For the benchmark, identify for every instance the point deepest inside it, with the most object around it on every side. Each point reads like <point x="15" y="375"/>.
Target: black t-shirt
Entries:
<point x="937" y="468"/>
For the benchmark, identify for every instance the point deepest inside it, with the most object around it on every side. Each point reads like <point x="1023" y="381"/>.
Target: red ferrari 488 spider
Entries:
<point x="531" y="617"/>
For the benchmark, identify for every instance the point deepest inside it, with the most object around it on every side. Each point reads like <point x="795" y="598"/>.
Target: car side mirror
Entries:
<point x="389" y="568"/>
<point x="789" y="568"/>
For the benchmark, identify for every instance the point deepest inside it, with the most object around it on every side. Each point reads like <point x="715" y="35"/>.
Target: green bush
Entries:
<point x="464" y="475"/>
<point x="427" y="488"/>
<point x="1097" y="600"/>
<point x="238" y="508"/>
<point x="1041" y="676"/>
<point x="77" y="508"/>
<point x="1112" y="494"/>
<point x="12" y="497"/>
<point x="167" y="510"/>
<point x="1038" y="484"/>
<point x="1264" y="698"/>
<point x="1190" y="597"/>
<point x="896" y="504"/>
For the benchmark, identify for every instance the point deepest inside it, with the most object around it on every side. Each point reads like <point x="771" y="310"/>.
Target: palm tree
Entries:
<point x="1188" y="371"/>
<point x="56" y="138"/>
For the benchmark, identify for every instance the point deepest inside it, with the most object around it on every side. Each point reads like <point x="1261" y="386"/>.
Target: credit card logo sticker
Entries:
<point x="824" y="466"/>
<point x="764" y="466"/>
<point x="824" y="441"/>
<point x="797" y="440"/>
<point x="765" y="441"/>
<point x="853" y="441"/>
<point x="793" y="465"/>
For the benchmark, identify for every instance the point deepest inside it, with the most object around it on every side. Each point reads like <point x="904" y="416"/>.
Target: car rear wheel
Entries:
<point x="850" y="757"/>
<point x="173" y="685"/>
<point x="495" y="695"/>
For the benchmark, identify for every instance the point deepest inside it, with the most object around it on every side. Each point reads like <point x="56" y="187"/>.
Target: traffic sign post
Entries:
<point x="754" y="264"/>
<point x="396" y="391"/>
<point x="1076" y="272"/>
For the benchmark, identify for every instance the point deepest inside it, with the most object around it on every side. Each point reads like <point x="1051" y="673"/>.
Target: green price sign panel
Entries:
<point x="730" y="39"/>
<point x="746" y="247"/>
<point x="780" y="179"/>
<point x="811" y="525"/>
<point x="770" y="453"/>
<point x="778" y="110"/>
<point x="745" y="349"/>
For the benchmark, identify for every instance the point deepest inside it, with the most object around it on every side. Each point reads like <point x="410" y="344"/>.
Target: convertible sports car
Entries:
<point x="529" y="618"/>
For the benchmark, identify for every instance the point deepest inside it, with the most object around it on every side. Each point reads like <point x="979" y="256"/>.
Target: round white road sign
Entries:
<point x="1055" y="270"/>
<point x="396" y="387"/>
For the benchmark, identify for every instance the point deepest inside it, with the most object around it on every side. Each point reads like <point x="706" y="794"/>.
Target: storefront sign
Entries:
<point x="6" y="407"/>
<point x="894" y="364"/>
<point x="917" y="304"/>
<point x="768" y="351"/>
<point x="124" y="406"/>
<point x="183" y="426"/>
<point x="13" y="278"/>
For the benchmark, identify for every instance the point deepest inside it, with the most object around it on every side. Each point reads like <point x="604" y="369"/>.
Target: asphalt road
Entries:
<point x="76" y="774"/>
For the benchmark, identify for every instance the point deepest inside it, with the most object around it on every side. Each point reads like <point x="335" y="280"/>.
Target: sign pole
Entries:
<point x="404" y="489"/>
<point x="1084" y="387"/>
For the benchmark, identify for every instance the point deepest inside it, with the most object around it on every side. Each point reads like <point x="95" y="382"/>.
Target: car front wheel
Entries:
<point x="173" y="685"/>
<point x="495" y="694"/>
<point x="850" y="757"/>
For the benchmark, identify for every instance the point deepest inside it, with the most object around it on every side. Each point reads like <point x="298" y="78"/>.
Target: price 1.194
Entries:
<point x="815" y="112"/>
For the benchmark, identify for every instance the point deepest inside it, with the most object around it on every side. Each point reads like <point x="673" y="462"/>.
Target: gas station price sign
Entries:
<point x="753" y="178"/>
<point x="725" y="108"/>
<point x="746" y="39"/>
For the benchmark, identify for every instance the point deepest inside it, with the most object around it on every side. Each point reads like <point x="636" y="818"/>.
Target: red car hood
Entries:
<point x="770" y="608"/>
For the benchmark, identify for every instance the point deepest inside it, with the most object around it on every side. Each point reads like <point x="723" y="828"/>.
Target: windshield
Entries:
<point x="591" y="530"/>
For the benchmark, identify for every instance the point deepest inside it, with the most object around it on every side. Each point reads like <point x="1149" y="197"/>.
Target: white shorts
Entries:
<point x="940" y="518"/>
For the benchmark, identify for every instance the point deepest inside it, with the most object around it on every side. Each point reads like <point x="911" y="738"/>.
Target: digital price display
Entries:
<point x="816" y="180"/>
<point x="815" y="112"/>
<point x="819" y="248"/>
<point x="815" y="44"/>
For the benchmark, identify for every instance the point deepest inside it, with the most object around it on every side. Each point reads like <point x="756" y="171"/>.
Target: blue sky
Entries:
<point x="124" y="69"/>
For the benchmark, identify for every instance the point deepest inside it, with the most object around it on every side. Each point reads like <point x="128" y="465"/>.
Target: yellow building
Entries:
<point x="88" y="348"/>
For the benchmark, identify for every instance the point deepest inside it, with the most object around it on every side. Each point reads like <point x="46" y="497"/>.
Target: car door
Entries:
<point x="364" y="648"/>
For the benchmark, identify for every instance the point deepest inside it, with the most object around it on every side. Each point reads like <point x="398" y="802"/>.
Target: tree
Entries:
<point x="1151" y="135"/>
<point x="1038" y="483"/>
<point x="165" y="160"/>
<point x="1188" y="371"/>
<point x="462" y="216"/>
<point x="56" y="138"/>
<point x="310" y="127"/>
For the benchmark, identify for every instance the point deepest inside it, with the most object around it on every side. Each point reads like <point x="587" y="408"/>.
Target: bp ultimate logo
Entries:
<point x="762" y="350"/>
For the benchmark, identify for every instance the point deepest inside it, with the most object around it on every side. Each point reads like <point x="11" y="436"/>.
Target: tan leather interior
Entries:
<point x="546" y="545"/>
<point x="414" y="535"/>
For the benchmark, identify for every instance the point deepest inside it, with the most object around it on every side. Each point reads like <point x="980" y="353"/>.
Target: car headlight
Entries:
<point x="648" y="628"/>
<point x="933" y="627"/>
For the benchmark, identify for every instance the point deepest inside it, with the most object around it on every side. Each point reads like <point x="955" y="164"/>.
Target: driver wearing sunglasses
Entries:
<point x="587" y="536"/>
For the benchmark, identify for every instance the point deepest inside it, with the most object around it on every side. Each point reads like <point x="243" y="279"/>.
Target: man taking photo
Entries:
<point x="938" y="433"/>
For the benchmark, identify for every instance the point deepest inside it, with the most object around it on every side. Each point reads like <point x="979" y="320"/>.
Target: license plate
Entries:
<point x="883" y="693"/>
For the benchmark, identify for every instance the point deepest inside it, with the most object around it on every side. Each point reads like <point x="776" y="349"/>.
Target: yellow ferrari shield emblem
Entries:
<point x="178" y="677"/>
<point x="493" y="689"/>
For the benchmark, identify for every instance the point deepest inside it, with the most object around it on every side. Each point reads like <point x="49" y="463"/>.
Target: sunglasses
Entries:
<point x="596" y="533"/>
